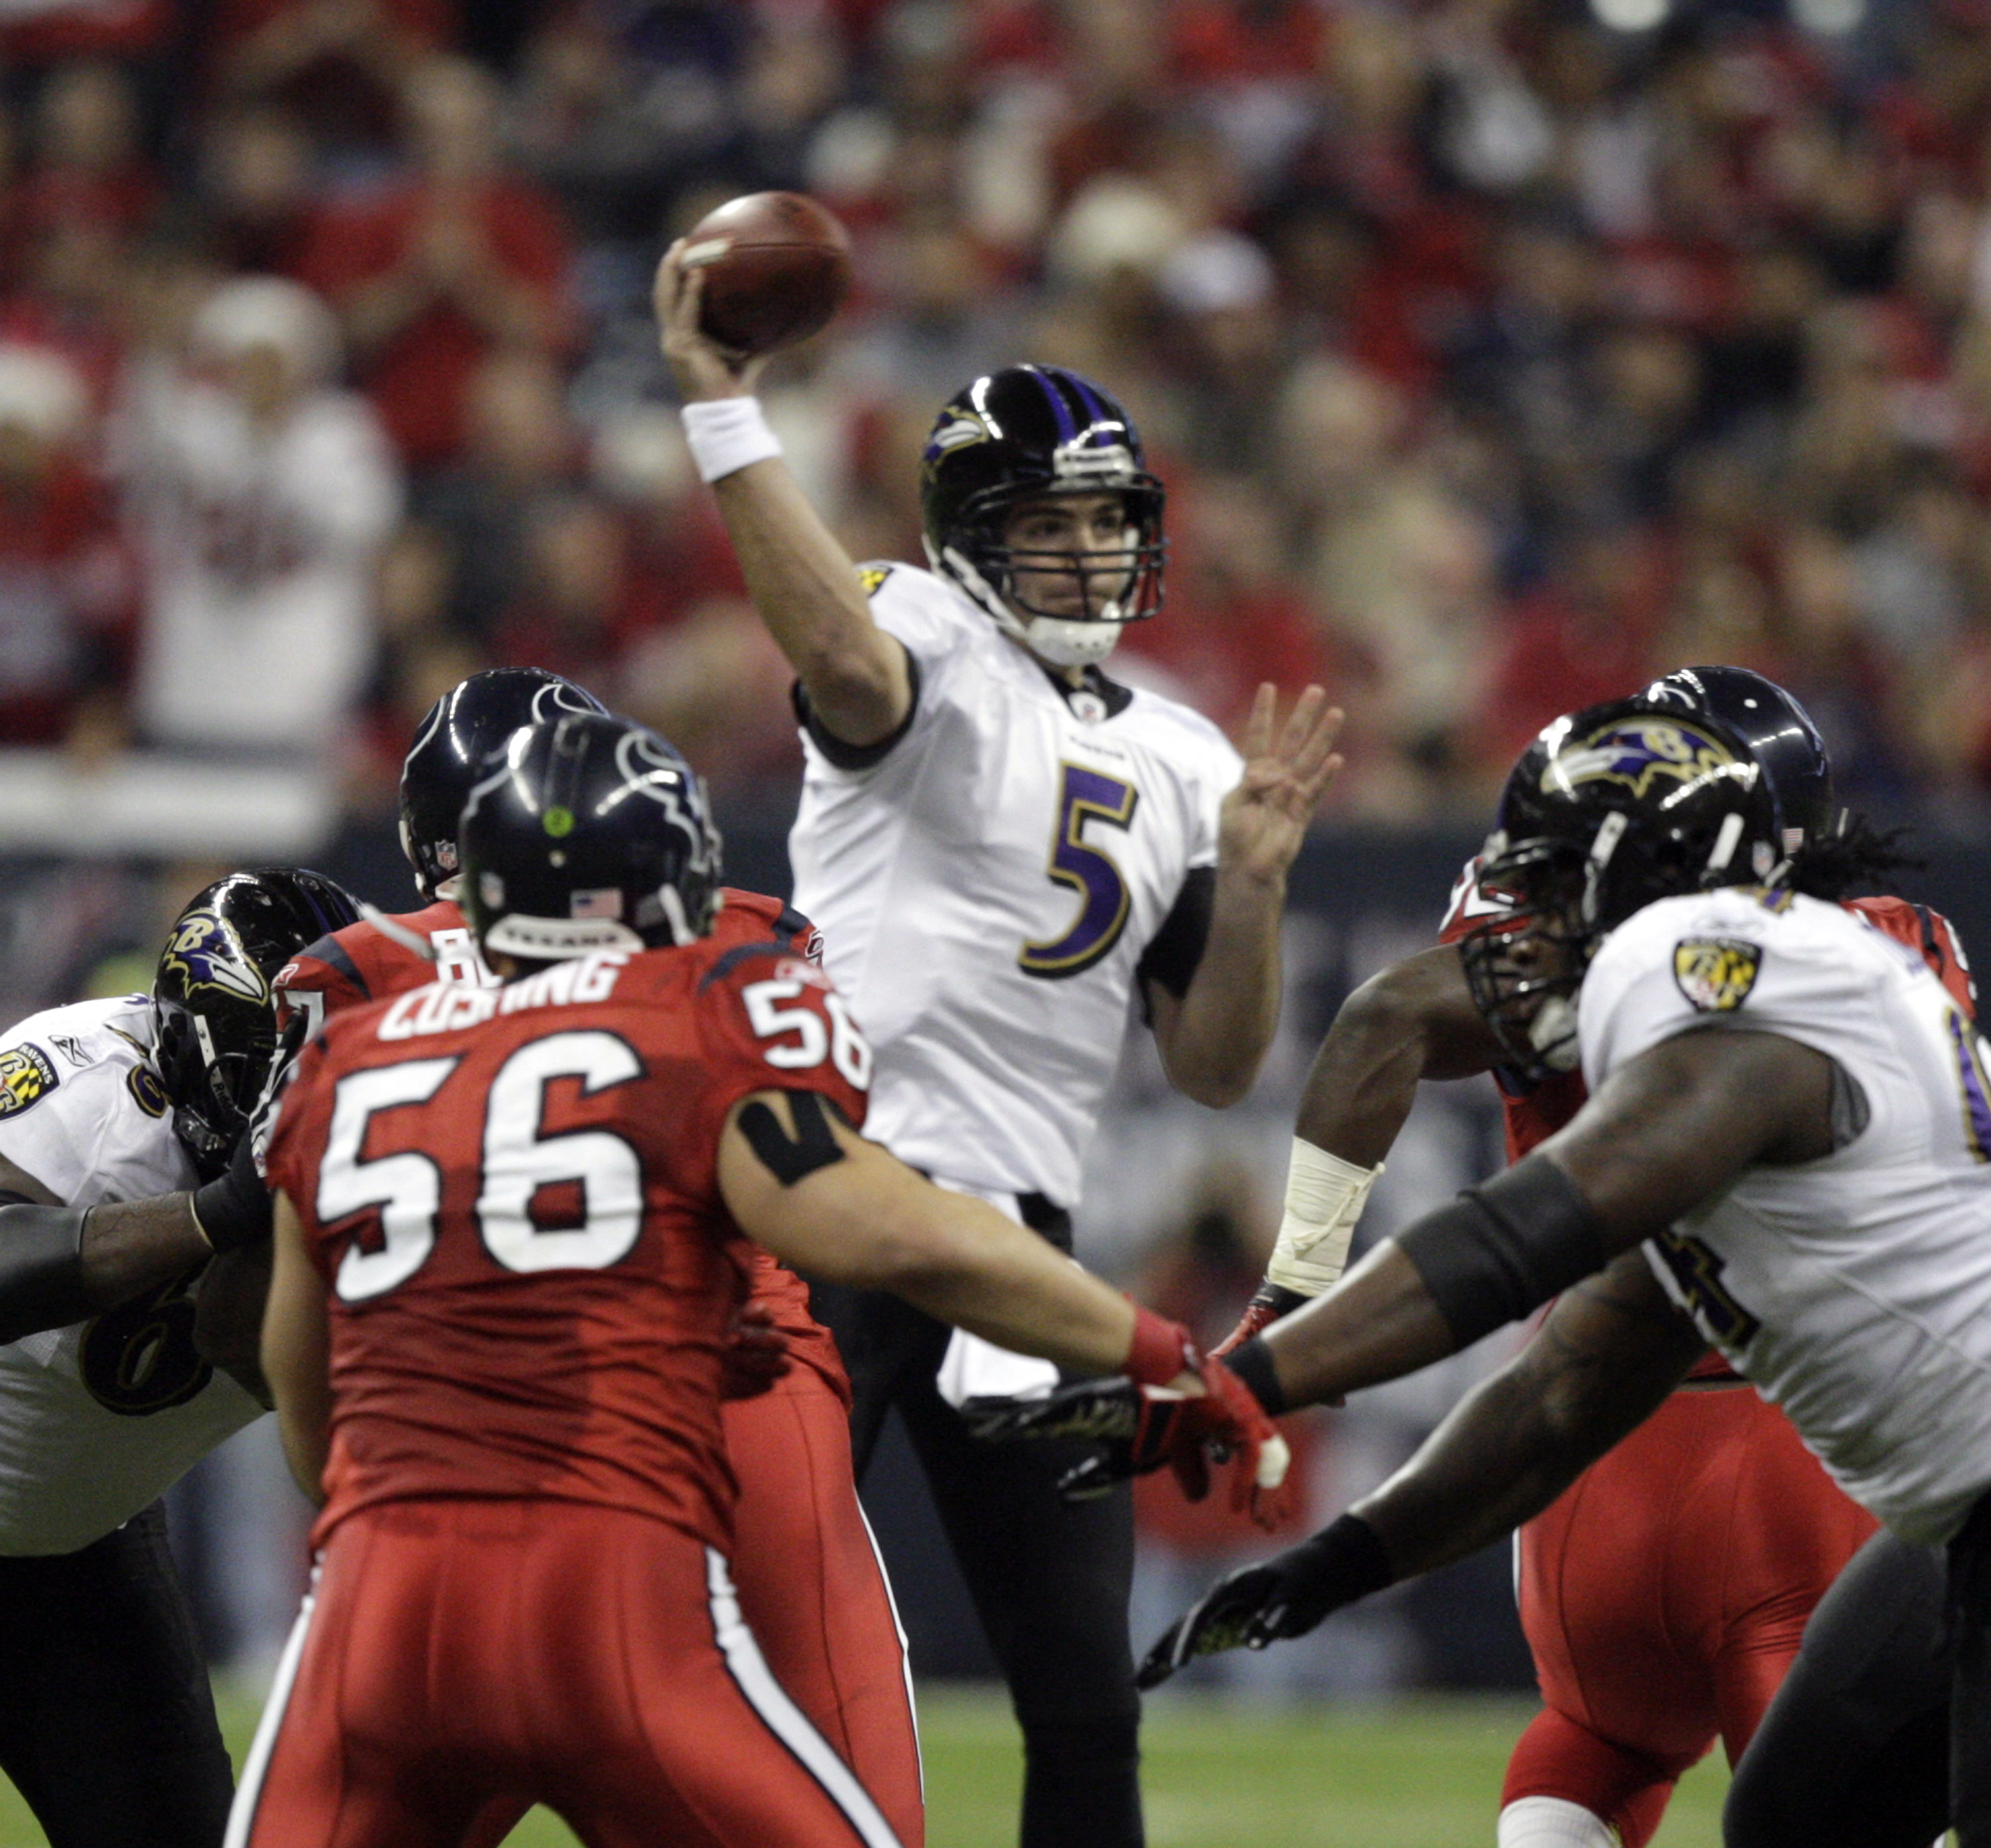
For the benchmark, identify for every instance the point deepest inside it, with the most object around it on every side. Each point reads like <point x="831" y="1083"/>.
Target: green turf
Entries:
<point x="1419" y="1774"/>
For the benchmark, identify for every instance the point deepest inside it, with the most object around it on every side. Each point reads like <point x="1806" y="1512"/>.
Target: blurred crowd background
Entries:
<point x="1495" y="352"/>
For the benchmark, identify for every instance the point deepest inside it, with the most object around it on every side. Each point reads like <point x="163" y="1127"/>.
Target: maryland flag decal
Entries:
<point x="27" y="1075"/>
<point x="1716" y="973"/>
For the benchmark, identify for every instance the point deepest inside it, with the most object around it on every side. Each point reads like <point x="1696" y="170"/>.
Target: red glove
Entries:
<point x="1147" y="1422"/>
<point x="756" y="1353"/>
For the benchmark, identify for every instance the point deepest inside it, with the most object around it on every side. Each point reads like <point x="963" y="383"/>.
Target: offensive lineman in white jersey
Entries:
<point x="1003" y="848"/>
<point x="1786" y="1151"/>
<point x="112" y="1114"/>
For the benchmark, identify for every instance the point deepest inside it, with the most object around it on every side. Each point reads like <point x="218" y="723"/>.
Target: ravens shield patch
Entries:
<point x="1716" y="973"/>
<point x="27" y="1075"/>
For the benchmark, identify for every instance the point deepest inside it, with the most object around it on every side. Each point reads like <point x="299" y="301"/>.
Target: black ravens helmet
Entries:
<point x="590" y="833"/>
<point x="1607" y="812"/>
<point x="1778" y="731"/>
<point x="217" y="1023"/>
<point x="460" y="731"/>
<point x="1024" y="434"/>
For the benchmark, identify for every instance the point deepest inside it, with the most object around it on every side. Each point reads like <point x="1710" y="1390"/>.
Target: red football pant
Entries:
<point x="1664" y="1595"/>
<point x="550" y="1652"/>
<point x="814" y="1594"/>
<point x="814" y="1591"/>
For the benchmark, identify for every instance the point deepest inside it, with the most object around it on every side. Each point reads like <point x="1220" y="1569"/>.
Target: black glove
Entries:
<point x="233" y="1210"/>
<point x="1287" y="1596"/>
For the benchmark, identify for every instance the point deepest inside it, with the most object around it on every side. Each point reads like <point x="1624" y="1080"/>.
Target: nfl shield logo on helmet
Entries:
<point x="1716" y="973"/>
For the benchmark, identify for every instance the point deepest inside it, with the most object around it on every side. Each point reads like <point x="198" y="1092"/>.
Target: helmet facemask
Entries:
<point x="1020" y="585"/>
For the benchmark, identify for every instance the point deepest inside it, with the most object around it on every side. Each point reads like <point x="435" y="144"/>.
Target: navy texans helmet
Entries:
<point x="463" y="729"/>
<point x="216" y="1018"/>
<point x="1025" y="434"/>
<point x="589" y="833"/>
<point x="1607" y="811"/>
<point x="1778" y="732"/>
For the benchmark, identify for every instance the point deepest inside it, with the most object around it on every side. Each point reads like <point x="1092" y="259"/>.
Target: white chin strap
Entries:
<point x="1058" y="639"/>
<point x="1067" y="644"/>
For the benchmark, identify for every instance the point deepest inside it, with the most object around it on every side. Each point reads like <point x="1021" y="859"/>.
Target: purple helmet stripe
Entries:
<point x="1094" y="409"/>
<point x="1067" y="428"/>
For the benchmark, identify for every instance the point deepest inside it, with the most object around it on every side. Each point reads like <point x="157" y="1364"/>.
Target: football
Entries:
<point x="777" y="266"/>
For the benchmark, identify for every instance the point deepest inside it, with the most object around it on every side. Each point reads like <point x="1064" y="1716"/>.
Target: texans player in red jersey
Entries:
<point x="1665" y="1594"/>
<point x="511" y="1229"/>
<point x="810" y="1581"/>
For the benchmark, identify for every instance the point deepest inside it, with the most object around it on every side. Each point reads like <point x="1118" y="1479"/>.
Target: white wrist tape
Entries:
<point x="727" y="434"/>
<point x="1324" y="1199"/>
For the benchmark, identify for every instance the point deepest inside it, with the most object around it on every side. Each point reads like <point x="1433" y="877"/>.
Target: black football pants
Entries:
<point x="106" y="1722"/>
<point x="1854" y="1750"/>
<point x="1050" y="1579"/>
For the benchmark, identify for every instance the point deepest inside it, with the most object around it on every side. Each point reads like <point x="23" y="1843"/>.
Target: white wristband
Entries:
<point x="1324" y="1199"/>
<point x="727" y="435"/>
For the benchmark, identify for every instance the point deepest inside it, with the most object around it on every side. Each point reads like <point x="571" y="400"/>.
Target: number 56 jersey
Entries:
<point x="1854" y="1291"/>
<point x="513" y="1195"/>
<point x="990" y="882"/>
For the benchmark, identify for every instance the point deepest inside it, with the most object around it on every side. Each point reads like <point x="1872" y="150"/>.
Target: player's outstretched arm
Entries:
<point x="1413" y="1021"/>
<point x="1667" y="1131"/>
<point x="296" y="1354"/>
<point x="799" y="1179"/>
<point x="1213" y="1040"/>
<point x="853" y="1214"/>
<point x="60" y="1264"/>
<point x="802" y="582"/>
<point x="1609" y="1354"/>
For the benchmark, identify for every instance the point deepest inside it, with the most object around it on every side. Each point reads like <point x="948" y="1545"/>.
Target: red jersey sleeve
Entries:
<point x="745" y="917"/>
<point x="1932" y="935"/>
<point x="769" y="1019"/>
<point x="318" y="982"/>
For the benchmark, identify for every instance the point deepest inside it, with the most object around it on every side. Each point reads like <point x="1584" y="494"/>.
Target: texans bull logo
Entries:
<point x="206" y="953"/>
<point x="1637" y="753"/>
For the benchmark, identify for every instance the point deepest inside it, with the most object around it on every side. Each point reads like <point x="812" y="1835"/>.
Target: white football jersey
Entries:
<point x="985" y="889"/>
<point x="98" y="1420"/>
<point x="1854" y="1291"/>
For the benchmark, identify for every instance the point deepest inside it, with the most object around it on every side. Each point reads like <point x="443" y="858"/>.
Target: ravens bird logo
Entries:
<point x="205" y="953"/>
<point x="1638" y="753"/>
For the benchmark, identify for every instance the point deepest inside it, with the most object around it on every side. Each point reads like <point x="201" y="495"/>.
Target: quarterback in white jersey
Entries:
<point x="990" y="889"/>
<point x="1003" y="850"/>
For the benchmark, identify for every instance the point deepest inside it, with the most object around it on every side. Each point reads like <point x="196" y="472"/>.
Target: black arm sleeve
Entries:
<point x="1171" y="958"/>
<point x="41" y="1268"/>
<point x="857" y="757"/>
<point x="1500" y="1250"/>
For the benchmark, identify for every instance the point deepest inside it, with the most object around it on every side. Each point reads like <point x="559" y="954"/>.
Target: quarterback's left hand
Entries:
<point x="756" y="1353"/>
<point x="1145" y="1427"/>
<point x="1264" y="818"/>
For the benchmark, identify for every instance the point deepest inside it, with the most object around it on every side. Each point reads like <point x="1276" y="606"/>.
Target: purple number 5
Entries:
<point x="1086" y="796"/>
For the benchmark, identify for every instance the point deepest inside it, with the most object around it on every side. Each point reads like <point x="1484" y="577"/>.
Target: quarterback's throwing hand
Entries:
<point x="702" y="369"/>
<point x="1265" y="817"/>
